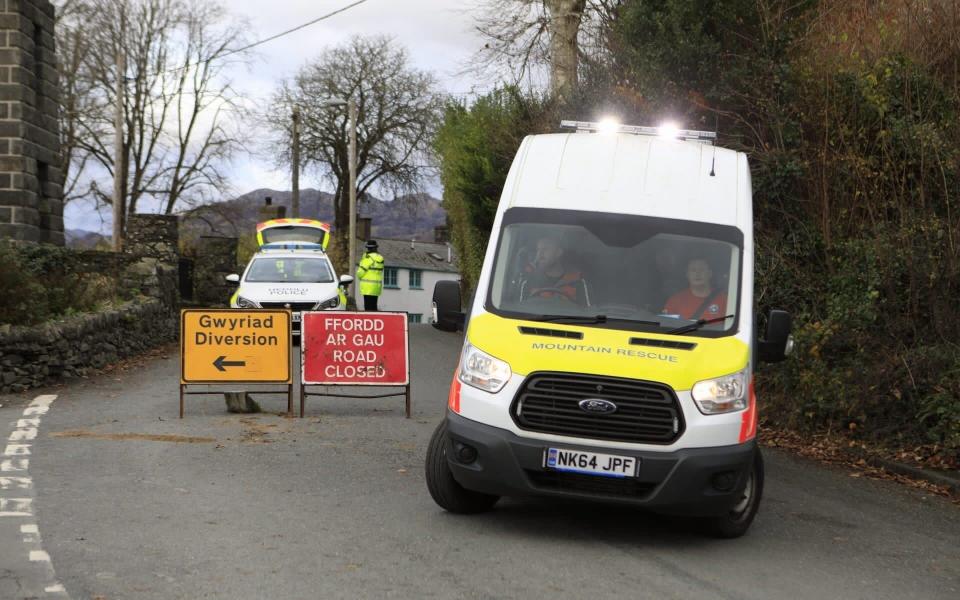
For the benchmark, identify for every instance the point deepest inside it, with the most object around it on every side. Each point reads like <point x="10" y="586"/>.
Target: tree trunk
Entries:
<point x="565" y="17"/>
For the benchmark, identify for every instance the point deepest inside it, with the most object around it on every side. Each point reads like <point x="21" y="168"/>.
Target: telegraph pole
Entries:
<point x="119" y="170"/>
<point x="352" y="112"/>
<point x="295" y="159"/>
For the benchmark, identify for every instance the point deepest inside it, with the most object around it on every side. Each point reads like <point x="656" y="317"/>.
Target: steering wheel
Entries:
<point x="550" y="290"/>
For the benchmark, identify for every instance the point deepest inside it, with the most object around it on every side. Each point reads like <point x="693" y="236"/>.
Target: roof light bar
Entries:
<point x="681" y="134"/>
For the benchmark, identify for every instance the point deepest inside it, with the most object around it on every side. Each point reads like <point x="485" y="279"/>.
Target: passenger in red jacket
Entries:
<point x="700" y="300"/>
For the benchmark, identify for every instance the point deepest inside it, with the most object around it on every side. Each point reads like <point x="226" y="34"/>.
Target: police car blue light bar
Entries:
<point x="667" y="130"/>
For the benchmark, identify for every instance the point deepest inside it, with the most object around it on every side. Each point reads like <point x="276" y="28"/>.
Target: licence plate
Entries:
<point x="592" y="463"/>
<point x="296" y="317"/>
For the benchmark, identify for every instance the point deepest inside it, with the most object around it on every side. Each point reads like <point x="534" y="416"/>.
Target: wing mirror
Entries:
<point x="233" y="278"/>
<point x="346" y="280"/>
<point x="777" y="343"/>
<point x="447" y="315"/>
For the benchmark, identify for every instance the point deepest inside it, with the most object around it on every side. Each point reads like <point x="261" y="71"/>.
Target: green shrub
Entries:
<point x="43" y="282"/>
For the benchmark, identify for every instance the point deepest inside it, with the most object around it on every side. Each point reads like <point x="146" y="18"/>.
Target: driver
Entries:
<point x="550" y="276"/>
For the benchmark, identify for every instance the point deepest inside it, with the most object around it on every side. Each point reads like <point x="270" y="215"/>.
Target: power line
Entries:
<point x="272" y="37"/>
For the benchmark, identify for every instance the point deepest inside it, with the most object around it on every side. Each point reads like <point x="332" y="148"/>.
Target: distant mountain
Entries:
<point x="82" y="239"/>
<point x="406" y="217"/>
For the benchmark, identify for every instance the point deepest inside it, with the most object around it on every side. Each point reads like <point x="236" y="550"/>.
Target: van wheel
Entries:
<point x="444" y="489"/>
<point x="736" y="522"/>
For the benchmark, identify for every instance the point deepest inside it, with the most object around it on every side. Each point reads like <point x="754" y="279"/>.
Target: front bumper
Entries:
<point x="693" y="481"/>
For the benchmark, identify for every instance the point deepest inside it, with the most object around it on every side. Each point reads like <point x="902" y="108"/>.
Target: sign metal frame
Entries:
<point x="305" y="391"/>
<point x="232" y="383"/>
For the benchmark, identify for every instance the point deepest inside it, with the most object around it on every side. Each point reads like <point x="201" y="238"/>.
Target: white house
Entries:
<point x="411" y="268"/>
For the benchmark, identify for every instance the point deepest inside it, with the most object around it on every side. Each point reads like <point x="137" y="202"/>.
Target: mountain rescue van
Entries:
<point x="610" y="346"/>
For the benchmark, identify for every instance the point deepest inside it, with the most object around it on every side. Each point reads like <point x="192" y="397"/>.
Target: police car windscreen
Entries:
<point x="289" y="270"/>
<point x="625" y="268"/>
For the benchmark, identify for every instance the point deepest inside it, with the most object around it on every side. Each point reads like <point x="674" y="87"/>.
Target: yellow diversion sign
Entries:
<point x="234" y="345"/>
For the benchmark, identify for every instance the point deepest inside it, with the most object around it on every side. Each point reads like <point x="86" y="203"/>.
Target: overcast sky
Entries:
<point x="437" y="33"/>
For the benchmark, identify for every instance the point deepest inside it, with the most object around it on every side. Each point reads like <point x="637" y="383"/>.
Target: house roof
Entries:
<point x="427" y="256"/>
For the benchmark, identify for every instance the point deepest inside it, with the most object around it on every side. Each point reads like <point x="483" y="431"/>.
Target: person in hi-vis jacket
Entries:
<point x="370" y="274"/>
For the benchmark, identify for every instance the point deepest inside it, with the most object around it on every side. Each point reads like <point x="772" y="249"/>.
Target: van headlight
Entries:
<point x="244" y="303"/>
<point x="331" y="303"/>
<point x="479" y="369"/>
<point x="721" y="394"/>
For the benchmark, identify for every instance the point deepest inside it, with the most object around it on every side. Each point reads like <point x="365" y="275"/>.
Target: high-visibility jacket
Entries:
<point x="370" y="274"/>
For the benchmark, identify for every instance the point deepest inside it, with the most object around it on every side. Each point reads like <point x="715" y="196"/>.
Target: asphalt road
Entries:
<point x="130" y="502"/>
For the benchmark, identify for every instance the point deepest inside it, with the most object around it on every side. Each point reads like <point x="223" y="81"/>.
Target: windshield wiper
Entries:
<point x="571" y="318"/>
<point x="587" y="320"/>
<point x="696" y="325"/>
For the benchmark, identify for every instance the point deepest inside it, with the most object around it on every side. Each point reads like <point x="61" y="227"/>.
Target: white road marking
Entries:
<point x="16" y="507"/>
<point x="17" y="448"/>
<point x="20" y="435"/>
<point x="15" y="483"/>
<point x="14" y="465"/>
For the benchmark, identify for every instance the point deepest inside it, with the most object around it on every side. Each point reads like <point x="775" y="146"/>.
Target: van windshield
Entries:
<point x="617" y="271"/>
<point x="289" y="270"/>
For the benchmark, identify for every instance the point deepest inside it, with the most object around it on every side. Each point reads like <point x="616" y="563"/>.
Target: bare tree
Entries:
<point x="397" y="107"/>
<point x="524" y="34"/>
<point x="178" y="106"/>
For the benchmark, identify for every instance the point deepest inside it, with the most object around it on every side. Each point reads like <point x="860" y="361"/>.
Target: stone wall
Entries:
<point x="31" y="181"/>
<point x="72" y="347"/>
<point x="146" y="274"/>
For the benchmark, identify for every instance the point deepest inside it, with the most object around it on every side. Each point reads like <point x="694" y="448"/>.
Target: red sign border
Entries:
<point x="303" y="348"/>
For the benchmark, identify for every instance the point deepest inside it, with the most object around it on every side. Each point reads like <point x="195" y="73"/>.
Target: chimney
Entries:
<point x="364" y="228"/>
<point x="412" y="240"/>
<point x="449" y="253"/>
<point x="441" y="234"/>
<point x="268" y="211"/>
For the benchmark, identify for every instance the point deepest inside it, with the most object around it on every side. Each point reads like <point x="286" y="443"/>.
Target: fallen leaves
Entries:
<point x="857" y="455"/>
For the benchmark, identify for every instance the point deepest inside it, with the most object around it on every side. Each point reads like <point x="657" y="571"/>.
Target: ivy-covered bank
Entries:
<point x="850" y="113"/>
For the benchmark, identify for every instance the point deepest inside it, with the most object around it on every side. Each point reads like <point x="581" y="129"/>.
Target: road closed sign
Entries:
<point x="234" y="345"/>
<point x="350" y="348"/>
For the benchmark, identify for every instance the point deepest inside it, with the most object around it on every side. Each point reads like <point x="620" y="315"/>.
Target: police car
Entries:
<point x="291" y="270"/>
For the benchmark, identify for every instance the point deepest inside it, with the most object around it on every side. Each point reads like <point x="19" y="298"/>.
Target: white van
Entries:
<point x="610" y="348"/>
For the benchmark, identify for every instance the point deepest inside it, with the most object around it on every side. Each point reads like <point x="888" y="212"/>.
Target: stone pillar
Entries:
<point x="216" y="258"/>
<point x="269" y="210"/>
<point x="155" y="240"/>
<point x="364" y="228"/>
<point x="31" y="181"/>
<point x="155" y="236"/>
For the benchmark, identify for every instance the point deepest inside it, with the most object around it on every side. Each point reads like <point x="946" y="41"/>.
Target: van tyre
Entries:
<point x="736" y="522"/>
<point x="444" y="489"/>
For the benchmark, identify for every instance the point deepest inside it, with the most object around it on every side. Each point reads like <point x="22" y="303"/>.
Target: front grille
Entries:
<point x="647" y="412"/>
<point x="294" y="306"/>
<point x="591" y="484"/>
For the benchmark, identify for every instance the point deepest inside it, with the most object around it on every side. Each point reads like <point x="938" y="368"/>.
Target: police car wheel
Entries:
<point x="737" y="521"/>
<point x="444" y="489"/>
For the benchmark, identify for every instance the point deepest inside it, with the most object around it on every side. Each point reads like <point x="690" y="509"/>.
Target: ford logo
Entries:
<point x="596" y="405"/>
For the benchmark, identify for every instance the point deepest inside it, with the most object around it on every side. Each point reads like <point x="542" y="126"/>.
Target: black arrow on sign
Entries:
<point x="221" y="362"/>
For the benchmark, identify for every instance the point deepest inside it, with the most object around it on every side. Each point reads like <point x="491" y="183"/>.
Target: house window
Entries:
<point x="390" y="277"/>
<point x="416" y="278"/>
<point x="414" y="317"/>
